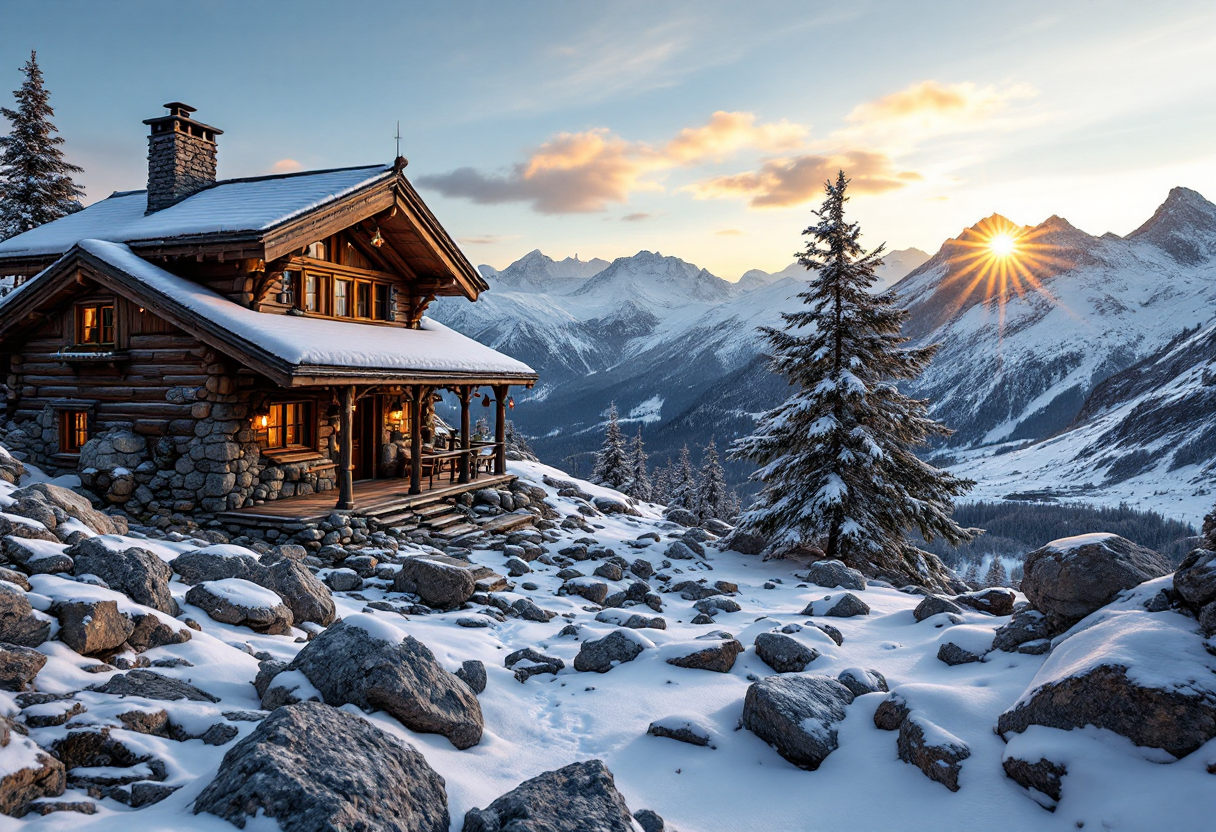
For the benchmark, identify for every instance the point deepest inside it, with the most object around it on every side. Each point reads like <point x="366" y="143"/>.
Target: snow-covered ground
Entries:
<point x="736" y="783"/>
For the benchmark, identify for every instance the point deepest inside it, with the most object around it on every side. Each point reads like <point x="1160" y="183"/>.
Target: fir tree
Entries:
<point x="36" y="184"/>
<point x="972" y="575"/>
<point x="996" y="576"/>
<point x="517" y="444"/>
<point x="640" y="487"/>
<point x="712" y="491"/>
<point x="612" y="461"/>
<point x="682" y="482"/>
<point x="481" y="430"/>
<point x="836" y="459"/>
<point x="1209" y="529"/>
<point x="660" y="489"/>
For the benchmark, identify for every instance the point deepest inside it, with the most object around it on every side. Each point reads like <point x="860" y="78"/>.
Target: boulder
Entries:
<point x="301" y="592"/>
<point x="602" y="654"/>
<point x="137" y="573"/>
<point x="92" y="627"/>
<point x="831" y="632"/>
<point x="344" y="580"/>
<point x="473" y="673"/>
<point x="744" y="542"/>
<point x="37" y="557"/>
<point x="715" y="604"/>
<point x="1195" y="579"/>
<point x="364" y="661"/>
<point x="1069" y="578"/>
<point x="995" y="600"/>
<point x="152" y="631"/>
<point x="932" y="749"/>
<point x="527" y="663"/>
<point x="592" y="590"/>
<point x="215" y="563"/>
<point x="935" y="605"/>
<point x="891" y="713"/>
<point x="313" y="767"/>
<point x="649" y="820"/>
<point x="1143" y="676"/>
<point x="1026" y="625"/>
<point x="861" y="681"/>
<point x="581" y="797"/>
<point x="682" y="516"/>
<point x="18" y="666"/>
<point x="18" y="623"/>
<point x="439" y="584"/>
<point x="797" y="715"/>
<point x="242" y="604"/>
<point x="679" y="550"/>
<point x="29" y="773"/>
<point x="833" y="573"/>
<point x="149" y="685"/>
<point x="718" y="653"/>
<point x="691" y="730"/>
<point x="847" y="606"/>
<point x="783" y="653"/>
<point x="14" y="578"/>
<point x="67" y="501"/>
<point x="953" y="654"/>
<point x="1040" y="774"/>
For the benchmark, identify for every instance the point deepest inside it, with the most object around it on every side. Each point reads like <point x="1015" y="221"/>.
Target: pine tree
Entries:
<point x="517" y="444"/>
<point x="660" y="489"/>
<point x="996" y="576"/>
<point x="836" y="459"/>
<point x="481" y="430"/>
<point x="1209" y="529"/>
<point x="712" y="490"/>
<point x="682" y="482"/>
<point x="612" y="461"/>
<point x="36" y="184"/>
<point x="640" y="487"/>
<point x="972" y="575"/>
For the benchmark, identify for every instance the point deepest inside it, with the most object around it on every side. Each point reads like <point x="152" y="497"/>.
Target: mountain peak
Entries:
<point x="1184" y="226"/>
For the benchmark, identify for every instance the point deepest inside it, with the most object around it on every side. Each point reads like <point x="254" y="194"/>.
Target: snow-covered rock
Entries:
<point x="578" y="796"/>
<point x="797" y="715"/>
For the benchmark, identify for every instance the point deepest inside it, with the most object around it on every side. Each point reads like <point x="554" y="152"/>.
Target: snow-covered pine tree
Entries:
<point x="836" y="459"/>
<point x="36" y="184"/>
<point x="996" y="575"/>
<point x="1209" y="529"/>
<point x="712" y="491"/>
<point x="972" y="575"/>
<point x="660" y="487"/>
<point x="612" y="461"/>
<point x="640" y="487"/>
<point x="517" y="444"/>
<point x="682" y="483"/>
<point x="731" y="507"/>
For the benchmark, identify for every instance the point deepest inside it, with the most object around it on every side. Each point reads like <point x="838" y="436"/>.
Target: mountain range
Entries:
<point x="1082" y="368"/>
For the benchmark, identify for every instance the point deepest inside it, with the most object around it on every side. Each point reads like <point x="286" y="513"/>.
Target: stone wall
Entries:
<point x="178" y="165"/>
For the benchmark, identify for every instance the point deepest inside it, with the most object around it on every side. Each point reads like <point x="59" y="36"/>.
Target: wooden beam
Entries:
<point x="416" y="438"/>
<point x="500" y="428"/>
<point x="346" y="436"/>
<point x="464" y="393"/>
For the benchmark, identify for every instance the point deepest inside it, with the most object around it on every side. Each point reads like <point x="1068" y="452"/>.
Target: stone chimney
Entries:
<point x="181" y="156"/>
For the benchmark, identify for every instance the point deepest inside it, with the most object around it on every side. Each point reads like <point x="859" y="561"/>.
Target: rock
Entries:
<point x="527" y="663"/>
<point x="363" y="661"/>
<point x="1041" y="775"/>
<point x="71" y="503"/>
<point x="861" y="681"/>
<point x="715" y="604"/>
<point x="344" y="580"/>
<point x="92" y="627"/>
<point x="935" y="605"/>
<point x="29" y="773"/>
<point x="831" y="632"/>
<point x="611" y="505"/>
<point x="603" y="654"/>
<point x="833" y="573"/>
<point x="995" y="600"/>
<point x="242" y="604"/>
<point x="702" y="618"/>
<point x="301" y="592"/>
<point x="746" y="543"/>
<point x="18" y="623"/>
<point x="526" y="609"/>
<point x="932" y="749"/>
<point x="149" y="685"/>
<point x="517" y="567"/>
<point x="440" y="585"/>
<point x="609" y="572"/>
<point x="718" y="654"/>
<point x="215" y="563"/>
<point x="952" y="654"/>
<point x="1026" y="625"/>
<point x="15" y="578"/>
<point x="473" y="674"/>
<point x="37" y="557"/>
<point x="641" y="568"/>
<point x="649" y="821"/>
<point x="136" y="573"/>
<point x="847" y="606"/>
<point x="1069" y="578"/>
<point x="581" y="797"/>
<point x="594" y="591"/>
<point x="783" y="653"/>
<point x="679" y="550"/>
<point x="312" y="767"/>
<point x="891" y="713"/>
<point x="18" y="666"/>
<point x="685" y="729"/>
<point x="1137" y="674"/>
<point x="151" y="631"/>
<point x="797" y="716"/>
<point x="680" y="515"/>
<point x="1195" y="579"/>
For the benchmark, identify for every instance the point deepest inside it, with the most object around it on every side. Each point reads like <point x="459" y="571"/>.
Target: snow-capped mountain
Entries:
<point x="536" y="271"/>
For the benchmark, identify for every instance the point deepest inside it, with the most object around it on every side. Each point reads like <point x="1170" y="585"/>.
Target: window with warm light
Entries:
<point x="287" y="425"/>
<point x="342" y="298"/>
<point x="95" y="325"/>
<point x="73" y="430"/>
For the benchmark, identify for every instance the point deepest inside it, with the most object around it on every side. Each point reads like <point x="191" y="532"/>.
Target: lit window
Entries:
<point x="311" y="293"/>
<point x="95" y="325"/>
<point x="73" y="430"/>
<point x="288" y="424"/>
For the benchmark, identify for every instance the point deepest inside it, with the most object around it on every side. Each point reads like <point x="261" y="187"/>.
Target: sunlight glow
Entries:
<point x="1002" y="245"/>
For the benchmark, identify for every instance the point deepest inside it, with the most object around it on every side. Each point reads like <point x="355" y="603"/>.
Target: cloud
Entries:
<point x="636" y="217"/>
<point x="584" y="172"/>
<point x="780" y="183"/>
<point x="286" y="166"/>
<point x="731" y="232"/>
<point x="931" y="108"/>
<point x="486" y="239"/>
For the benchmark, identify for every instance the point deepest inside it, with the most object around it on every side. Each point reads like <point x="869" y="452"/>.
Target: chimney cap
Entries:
<point x="177" y="108"/>
<point x="180" y="113"/>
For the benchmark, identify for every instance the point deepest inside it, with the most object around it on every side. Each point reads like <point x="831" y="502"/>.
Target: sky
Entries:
<point x="702" y="129"/>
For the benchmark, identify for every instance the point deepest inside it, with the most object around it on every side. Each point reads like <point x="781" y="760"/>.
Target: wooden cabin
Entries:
<point x="211" y="346"/>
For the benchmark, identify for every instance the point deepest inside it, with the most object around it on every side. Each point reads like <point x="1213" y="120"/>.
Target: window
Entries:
<point x="95" y="325"/>
<point x="317" y="251"/>
<point x="312" y="294"/>
<point x="381" y="310"/>
<point x="363" y="299"/>
<point x="342" y="298"/>
<point x="73" y="430"/>
<point x="289" y="424"/>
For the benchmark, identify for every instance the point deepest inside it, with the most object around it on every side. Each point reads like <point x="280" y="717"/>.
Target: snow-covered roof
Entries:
<point x="233" y="206"/>
<point x="327" y="345"/>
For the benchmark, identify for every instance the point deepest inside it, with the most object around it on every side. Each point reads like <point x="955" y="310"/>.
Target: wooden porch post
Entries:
<point x="465" y="440"/>
<point x="416" y="440"/>
<point x="500" y="429"/>
<point x="346" y="440"/>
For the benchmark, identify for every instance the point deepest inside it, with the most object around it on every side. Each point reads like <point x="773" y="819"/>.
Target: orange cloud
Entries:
<point x="286" y="166"/>
<point x="791" y="181"/>
<point x="930" y="107"/>
<point x="731" y="232"/>
<point x="727" y="133"/>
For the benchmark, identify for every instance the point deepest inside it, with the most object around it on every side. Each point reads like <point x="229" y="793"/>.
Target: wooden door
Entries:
<point x="366" y="444"/>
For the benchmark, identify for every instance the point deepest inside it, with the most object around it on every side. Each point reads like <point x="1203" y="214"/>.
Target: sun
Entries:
<point x="1002" y="245"/>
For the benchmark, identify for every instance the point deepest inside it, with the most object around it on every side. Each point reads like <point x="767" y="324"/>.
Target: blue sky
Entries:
<point x="700" y="129"/>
